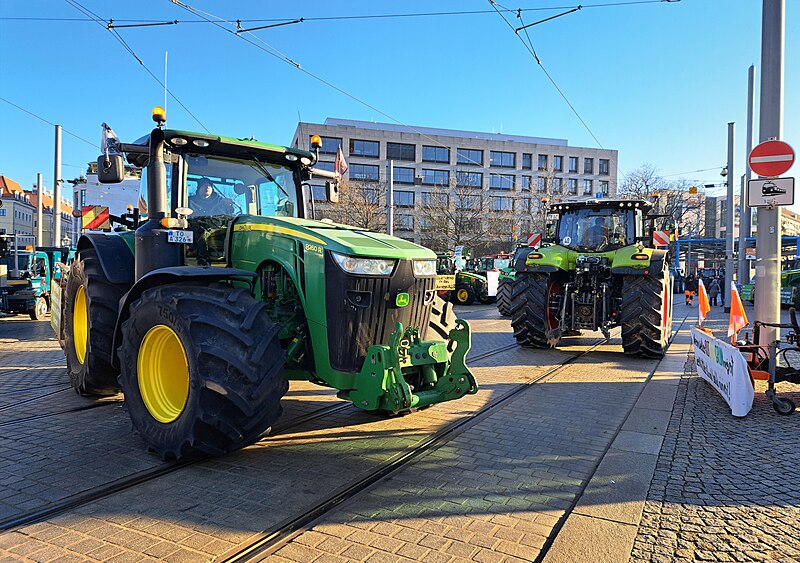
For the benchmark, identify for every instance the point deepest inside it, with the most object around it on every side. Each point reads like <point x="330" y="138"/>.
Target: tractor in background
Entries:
<point x="227" y="289"/>
<point x="599" y="274"/>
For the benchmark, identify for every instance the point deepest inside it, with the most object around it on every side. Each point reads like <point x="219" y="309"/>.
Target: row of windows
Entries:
<point x="430" y="153"/>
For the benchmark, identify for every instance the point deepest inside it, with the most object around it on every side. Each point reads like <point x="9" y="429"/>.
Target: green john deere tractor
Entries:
<point x="598" y="275"/>
<point x="227" y="290"/>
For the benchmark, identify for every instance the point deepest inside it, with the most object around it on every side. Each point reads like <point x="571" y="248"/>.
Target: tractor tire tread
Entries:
<point x="529" y="294"/>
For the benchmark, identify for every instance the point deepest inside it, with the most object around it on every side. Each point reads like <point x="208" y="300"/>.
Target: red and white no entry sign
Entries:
<point x="771" y="158"/>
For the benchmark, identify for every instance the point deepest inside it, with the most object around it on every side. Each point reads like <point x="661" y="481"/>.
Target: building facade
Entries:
<point x="513" y="176"/>
<point x="16" y="212"/>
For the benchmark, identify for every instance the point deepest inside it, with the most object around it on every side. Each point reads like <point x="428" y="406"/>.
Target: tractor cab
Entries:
<point x="600" y="228"/>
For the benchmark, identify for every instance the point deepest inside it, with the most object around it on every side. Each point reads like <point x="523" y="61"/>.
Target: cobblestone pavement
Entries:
<point x="725" y="488"/>
<point x="517" y="470"/>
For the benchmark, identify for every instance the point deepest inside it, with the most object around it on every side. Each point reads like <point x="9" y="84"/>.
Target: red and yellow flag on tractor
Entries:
<point x="95" y="217"/>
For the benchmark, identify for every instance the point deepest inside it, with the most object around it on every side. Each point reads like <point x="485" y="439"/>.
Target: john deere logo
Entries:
<point x="402" y="299"/>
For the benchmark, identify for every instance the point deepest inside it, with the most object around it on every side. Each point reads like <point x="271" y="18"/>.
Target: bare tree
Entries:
<point x="642" y="183"/>
<point x="362" y="204"/>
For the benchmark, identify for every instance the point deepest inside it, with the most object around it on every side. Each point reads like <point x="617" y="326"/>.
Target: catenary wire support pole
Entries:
<point x="745" y="227"/>
<point x="39" y="208"/>
<point x="56" y="238"/>
<point x="730" y="263"/>
<point x="768" y="238"/>
<point x="390" y="201"/>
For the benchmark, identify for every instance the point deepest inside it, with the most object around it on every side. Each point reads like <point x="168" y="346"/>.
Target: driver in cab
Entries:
<point x="207" y="201"/>
<point x="597" y="234"/>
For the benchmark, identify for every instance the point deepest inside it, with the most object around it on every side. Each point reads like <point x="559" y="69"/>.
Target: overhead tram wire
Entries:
<point x="108" y="27"/>
<point x="40" y="118"/>
<point x="272" y="51"/>
<point x="361" y="16"/>
<point x="532" y="51"/>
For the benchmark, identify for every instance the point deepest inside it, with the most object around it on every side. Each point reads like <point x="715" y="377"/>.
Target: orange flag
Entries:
<point x="702" y="302"/>
<point x="738" y="319"/>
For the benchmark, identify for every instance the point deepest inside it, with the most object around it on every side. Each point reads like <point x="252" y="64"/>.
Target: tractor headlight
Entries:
<point x="364" y="266"/>
<point x="424" y="268"/>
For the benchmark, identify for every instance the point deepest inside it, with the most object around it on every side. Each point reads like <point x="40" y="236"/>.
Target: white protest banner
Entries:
<point x="724" y="367"/>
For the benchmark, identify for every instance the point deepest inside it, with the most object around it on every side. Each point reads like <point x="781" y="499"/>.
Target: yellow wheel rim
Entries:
<point x="80" y="324"/>
<point x="462" y="295"/>
<point x="163" y="373"/>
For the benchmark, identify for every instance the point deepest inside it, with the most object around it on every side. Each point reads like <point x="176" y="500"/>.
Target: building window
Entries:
<point x="502" y="203"/>
<point x="542" y="162"/>
<point x="3" y="212"/>
<point x="588" y="166"/>
<point x="324" y="165"/>
<point x="573" y="185"/>
<point x="558" y="163"/>
<point x="469" y="179"/>
<point x="502" y="159"/>
<point x="603" y="166"/>
<point x="604" y="187"/>
<point x="542" y="184"/>
<point x="435" y="177"/>
<point x="587" y="187"/>
<point x="435" y="154"/>
<point x="556" y="185"/>
<point x="401" y="151"/>
<point x="404" y="199"/>
<point x="526" y="183"/>
<point x="319" y="193"/>
<point x="469" y="156"/>
<point x="527" y="161"/>
<point x="330" y="145"/>
<point x="404" y="222"/>
<point x="364" y="172"/>
<point x="367" y="149"/>
<point x="435" y="200"/>
<point x="501" y="181"/>
<point x="467" y="201"/>
<point x="403" y="175"/>
<point x="573" y="164"/>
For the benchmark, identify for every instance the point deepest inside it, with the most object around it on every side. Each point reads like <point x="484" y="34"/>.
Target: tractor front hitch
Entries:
<point x="440" y="376"/>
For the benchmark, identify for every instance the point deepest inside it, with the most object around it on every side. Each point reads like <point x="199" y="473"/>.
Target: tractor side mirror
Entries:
<point x="332" y="191"/>
<point x="110" y="169"/>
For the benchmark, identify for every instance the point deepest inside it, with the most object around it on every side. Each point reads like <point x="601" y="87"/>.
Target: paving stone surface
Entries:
<point x="725" y="488"/>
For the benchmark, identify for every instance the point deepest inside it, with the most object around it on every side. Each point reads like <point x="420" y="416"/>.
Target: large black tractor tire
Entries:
<point x="646" y="315"/>
<point x="90" y="315"/>
<point x="504" y="297"/>
<point x="531" y="318"/>
<point x="464" y="294"/>
<point x="40" y="309"/>
<point x="201" y="369"/>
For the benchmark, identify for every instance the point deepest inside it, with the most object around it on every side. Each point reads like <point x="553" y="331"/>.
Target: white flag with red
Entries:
<point x="340" y="165"/>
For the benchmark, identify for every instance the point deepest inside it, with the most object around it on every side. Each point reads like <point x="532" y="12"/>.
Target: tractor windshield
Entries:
<point x="227" y="186"/>
<point x="597" y="230"/>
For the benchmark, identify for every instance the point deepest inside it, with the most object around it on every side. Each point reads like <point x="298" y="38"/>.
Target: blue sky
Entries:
<point x="657" y="81"/>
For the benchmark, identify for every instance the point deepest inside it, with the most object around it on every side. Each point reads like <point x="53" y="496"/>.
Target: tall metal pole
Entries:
<point x="390" y="201"/>
<point x="730" y="263"/>
<point x="39" y="208"/>
<point x="768" y="241"/>
<point x="57" y="191"/>
<point x="743" y="268"/>
<point x="745" y="224"/>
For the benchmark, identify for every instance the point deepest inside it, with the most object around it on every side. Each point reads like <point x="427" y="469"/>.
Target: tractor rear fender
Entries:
<point x="185" y="275"/>
<point x="546" y="260"/>
<point x="114" y="254"/>
<point x="624" y="264"/>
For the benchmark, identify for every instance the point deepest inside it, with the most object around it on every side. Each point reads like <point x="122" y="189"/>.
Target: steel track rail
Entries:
<point x="270" y="540"/>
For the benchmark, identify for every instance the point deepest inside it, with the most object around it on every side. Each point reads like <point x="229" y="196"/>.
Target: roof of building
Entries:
<point x="9" y="187"/>
<point x="48" y="202"/>
<point x="377" y="126"/>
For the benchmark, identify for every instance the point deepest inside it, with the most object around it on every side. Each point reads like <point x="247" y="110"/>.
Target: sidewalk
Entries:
<point x="717" y="488"/>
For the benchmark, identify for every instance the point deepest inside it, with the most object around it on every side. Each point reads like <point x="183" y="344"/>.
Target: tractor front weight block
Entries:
<point x="409" y="373"/>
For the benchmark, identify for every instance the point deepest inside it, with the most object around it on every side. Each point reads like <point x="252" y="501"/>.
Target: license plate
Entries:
<point x="180" y="237"/>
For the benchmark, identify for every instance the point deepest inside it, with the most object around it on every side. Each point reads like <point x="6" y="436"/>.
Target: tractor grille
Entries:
<point x="362" y="310"/>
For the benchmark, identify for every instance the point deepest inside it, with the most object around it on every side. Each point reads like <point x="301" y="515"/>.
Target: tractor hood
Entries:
<point x="337" y="238"/>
